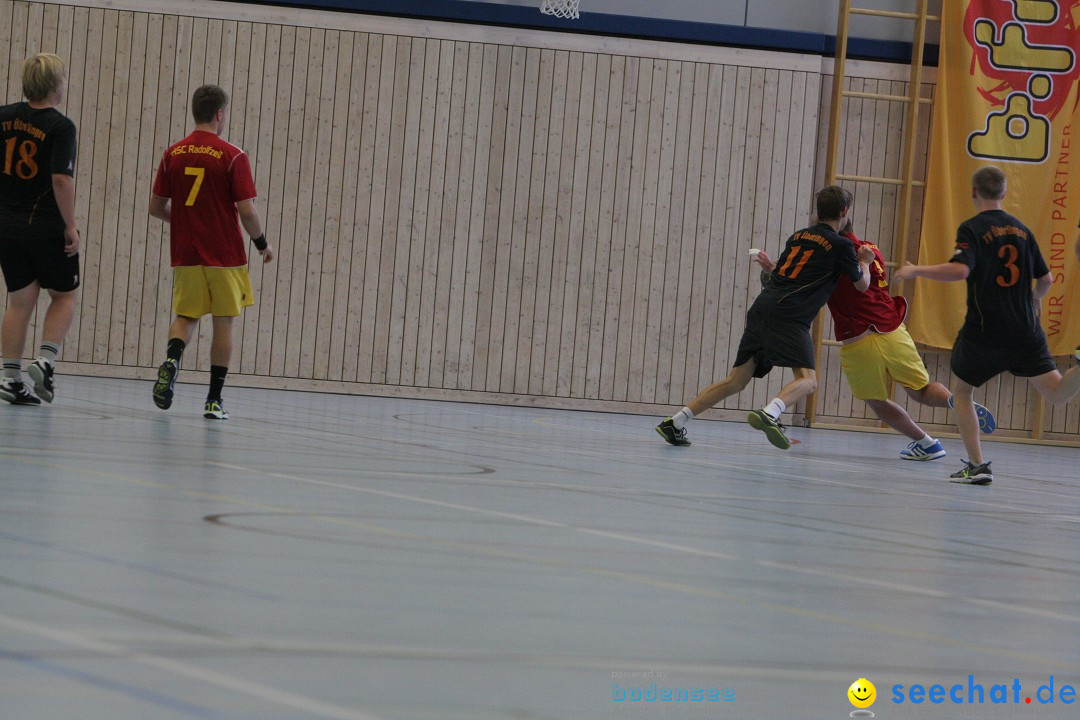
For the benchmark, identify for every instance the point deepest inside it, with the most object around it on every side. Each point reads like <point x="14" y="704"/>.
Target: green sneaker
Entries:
<point x="163" y="388"/>
<point x="773" y="429"/>
<point x="973" y="474"/>
<point x="213" y="410"/>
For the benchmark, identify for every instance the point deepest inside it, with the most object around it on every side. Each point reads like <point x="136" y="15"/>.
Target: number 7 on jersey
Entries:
<point x="199" y="174"/>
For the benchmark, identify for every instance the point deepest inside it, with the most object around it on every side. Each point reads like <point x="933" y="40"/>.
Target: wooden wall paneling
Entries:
<point x="322" y="252"/>
<point x="489" y="226"/>
<point x="591" y="284"/>
<point x="20" y="13"/>
<point x="656" y="231"/>
<point x="427" y="215"/>
<point x="235" y="79"/>
<point x="694" y="253"/>
<point x="341" y="206"/>
<point x="439" y="244"/>
<point x="132" y="196"/>
<point x="731" y="315"/>
<point x="412" y="210"/>
<point x="286" y="150"/>
<point x="303" y="145"/>
<point x="628" y="218"/>
<point x="99" y="61"/>
<point x="566" y="127"/>
<point x="714" y="180"/>
<point x="251" y="43"/>
<point x="485" y="73"/>
<point x="149" y="233"/>
<point x="619" y="313"/>
<point x="396" y="51"/>
<point x="501" y="201"/>
<point x="529" y="329"/>
<point x="460" y="178"/>
<point x="8" y="87"/>
<point x="580" y="255"/>
<point x="546" y="201"/>
<point x="607" y="253"/>
<point x="370" y="190"/>
<point x="759" y="138"/>
<point x="513" y="227"/>
<point x="35" y="25"/>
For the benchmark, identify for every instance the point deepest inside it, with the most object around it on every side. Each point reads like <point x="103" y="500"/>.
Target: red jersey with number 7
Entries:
<point x="204" y="177"/>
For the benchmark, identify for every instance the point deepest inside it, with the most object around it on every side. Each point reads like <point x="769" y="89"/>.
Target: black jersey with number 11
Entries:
<point x="35" y="144"/>
<point x="806" y="274"/>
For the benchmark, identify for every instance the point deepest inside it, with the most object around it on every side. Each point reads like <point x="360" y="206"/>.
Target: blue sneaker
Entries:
<point x="987" y="423"/>
<point x="915" y="451"/>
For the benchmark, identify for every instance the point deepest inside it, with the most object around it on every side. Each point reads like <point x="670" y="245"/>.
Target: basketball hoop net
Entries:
<point x="561" y="8"/>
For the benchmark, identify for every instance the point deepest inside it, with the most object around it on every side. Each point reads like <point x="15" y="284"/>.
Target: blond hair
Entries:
<point x="42" y="74"/>
<point x="989" y="183"/>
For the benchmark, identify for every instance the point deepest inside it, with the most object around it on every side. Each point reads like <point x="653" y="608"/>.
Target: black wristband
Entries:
<point x="260" y="242"/>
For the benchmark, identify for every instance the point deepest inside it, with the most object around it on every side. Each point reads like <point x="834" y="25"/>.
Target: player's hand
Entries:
<point x="267" y="253"/>
<point x="905" y="272"/>
<point x="72" y="240"/>
<point x="763" y="259"/>
<point x="866" y="255"/>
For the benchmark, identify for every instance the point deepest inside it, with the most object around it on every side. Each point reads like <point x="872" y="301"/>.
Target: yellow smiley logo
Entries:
<point x="862" y="693"/>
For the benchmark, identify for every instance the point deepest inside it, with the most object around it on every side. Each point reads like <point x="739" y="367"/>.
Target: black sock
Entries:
<point x="217" y="382"/>
<point x="175" y="350"/>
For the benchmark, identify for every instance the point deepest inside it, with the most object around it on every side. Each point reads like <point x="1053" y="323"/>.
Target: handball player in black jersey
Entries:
<point x="777" y="330"/>
<point x="39" y="242"/>
<point x="1006" y="278"/>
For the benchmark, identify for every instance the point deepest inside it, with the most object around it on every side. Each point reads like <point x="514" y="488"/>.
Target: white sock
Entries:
<point x="682" y="417"/>
<point x="775" y="409"/>
<point x="49" y="353"/>
<point x="926" y="441"/>
<point x="13" y="369"/>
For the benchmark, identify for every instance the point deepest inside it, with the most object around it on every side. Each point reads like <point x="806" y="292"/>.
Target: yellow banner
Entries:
<point x="1007" y="96"/>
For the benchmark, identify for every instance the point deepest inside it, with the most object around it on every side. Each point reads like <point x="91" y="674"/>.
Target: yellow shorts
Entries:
<point x="219" y="291"/>
<point x="870" y="362"/>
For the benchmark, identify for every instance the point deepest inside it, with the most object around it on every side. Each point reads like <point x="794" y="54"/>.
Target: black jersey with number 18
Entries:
<point x="806" y="274"/>
<point x="35" y="144"/>
<point x="1004" y="259"/>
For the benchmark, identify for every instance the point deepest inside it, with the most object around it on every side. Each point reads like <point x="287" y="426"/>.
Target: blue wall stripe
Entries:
<point x="591" y="23"/>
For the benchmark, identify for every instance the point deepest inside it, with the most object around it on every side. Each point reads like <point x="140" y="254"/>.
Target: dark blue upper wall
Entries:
<point x="495" y="13"/>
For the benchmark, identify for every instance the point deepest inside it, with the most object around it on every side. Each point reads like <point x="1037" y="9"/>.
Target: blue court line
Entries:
<point x="593" y="23"/>
<point x="133" y="691"/>
<point x="138" y="566"/>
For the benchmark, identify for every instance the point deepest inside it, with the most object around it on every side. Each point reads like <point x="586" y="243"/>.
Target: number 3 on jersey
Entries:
<point x="199" y="174"/>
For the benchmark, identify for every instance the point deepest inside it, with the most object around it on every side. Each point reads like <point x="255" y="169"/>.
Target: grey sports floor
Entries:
<point x="321" y="556"/>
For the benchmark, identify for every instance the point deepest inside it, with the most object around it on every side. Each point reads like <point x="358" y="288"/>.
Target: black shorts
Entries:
<point x="975" y="364"/>
<point x="25" y="261"/>
<point x="772" y="342"/>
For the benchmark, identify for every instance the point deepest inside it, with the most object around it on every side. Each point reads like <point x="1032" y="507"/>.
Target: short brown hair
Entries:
<point x="989" y="183"/>
<point x="42" y="74"/>
<point x="206" y="101"/>
<point x="831" y="202"/>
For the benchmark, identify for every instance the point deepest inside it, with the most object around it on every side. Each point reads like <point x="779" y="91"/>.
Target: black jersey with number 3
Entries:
<point x="1004" y="259"/>
<point x="35" y="144"/>
<point x="806" y="274"/>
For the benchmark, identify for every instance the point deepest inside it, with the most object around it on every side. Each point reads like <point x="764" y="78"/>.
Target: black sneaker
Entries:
<point x="773" y="429"/>
<point x="41" y="373"/>
<point x="973" y="474"/>
<point x="163" y="388"/>
<point x="16" y="393"/>
<point x="674" y="435"/>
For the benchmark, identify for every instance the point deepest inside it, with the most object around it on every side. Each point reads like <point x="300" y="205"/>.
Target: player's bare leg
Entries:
<point x="673" y="429"/>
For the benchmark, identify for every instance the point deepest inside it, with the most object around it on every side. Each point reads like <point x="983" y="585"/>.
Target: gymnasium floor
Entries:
<point x="321" y="556"/>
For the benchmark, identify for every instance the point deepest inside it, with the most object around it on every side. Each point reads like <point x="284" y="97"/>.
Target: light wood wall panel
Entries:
<point x="464" y="212"/>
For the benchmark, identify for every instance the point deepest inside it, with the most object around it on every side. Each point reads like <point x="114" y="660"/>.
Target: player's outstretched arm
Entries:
<point x="945" y="272"/>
